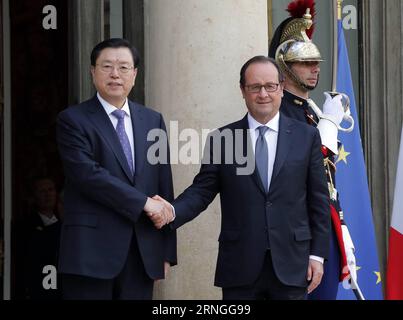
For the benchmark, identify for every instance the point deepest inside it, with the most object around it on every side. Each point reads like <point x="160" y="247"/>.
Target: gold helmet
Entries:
<point x="291" y="42"/>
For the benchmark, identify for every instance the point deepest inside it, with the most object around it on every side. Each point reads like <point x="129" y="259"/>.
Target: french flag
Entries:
<point x="394" y="275"/>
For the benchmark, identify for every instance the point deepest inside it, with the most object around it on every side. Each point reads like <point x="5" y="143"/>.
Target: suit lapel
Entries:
<point x="140" y="136"/>
<point x="283" y="145"/>
<point x="101" y="120"/>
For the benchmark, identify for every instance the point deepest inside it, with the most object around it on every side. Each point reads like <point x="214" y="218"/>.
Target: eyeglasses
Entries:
<point x="108" y="68"/>
<point x="256" y="88"/>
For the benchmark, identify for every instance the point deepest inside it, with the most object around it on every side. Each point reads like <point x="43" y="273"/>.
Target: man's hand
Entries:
<point x="351" y="263"/>
<point x="167" y="265"/>
<point x="159" y="211"/>
<point x="314" y="274"/>
<point x="329" y="122"/>
<point x="168" y="208"/>
<point x="166" y="203"/>
<point x="333" y="109"/>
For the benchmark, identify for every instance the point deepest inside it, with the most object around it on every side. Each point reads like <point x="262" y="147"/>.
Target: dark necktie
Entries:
<point x="124" y="140"/>
<point x="262" y="156"/>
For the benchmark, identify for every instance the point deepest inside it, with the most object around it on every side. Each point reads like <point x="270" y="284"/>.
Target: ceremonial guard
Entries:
<point x="299" y="59"/>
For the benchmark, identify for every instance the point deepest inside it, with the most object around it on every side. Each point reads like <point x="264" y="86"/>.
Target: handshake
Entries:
<point x="159" y="211"/>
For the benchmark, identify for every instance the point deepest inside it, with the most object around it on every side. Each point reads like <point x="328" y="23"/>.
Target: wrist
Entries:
<point x="147" y="204"/>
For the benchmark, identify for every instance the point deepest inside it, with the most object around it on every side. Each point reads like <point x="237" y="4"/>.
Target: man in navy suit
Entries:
<point x="109" y="248"/>
<point x="275" y="220"/>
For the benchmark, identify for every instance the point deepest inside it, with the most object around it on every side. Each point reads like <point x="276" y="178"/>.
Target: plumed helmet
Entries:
<point x="292" y="39"/>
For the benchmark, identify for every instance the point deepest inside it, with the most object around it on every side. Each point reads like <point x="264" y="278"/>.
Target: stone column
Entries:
<point x="382" y="102"/>
<point x="133" y="30"/>
<point x="194" y="52"/>
<point x="86" y="29"/>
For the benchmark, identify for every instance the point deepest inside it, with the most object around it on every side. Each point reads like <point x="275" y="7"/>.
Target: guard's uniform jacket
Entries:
<point x="298" y="108"/>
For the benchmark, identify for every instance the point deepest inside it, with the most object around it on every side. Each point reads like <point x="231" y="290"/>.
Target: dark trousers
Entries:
<point x="132" y="283"/>
<point x="266" y="287"/>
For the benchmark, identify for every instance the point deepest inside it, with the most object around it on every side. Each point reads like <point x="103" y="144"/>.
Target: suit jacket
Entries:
<point x="38" y="246"/>
<point x="103" y="201"/>
<point x="293" y="218"/>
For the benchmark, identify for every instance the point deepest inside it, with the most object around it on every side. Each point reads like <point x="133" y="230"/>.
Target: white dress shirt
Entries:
<point x="128" y="120"/>
<point x="46" y="220"/>
<point x="271" y="137"/>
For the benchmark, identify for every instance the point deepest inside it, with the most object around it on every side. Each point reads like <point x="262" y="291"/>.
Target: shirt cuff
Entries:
<point x="173" y="213"/>
<point x="316" y="258"/>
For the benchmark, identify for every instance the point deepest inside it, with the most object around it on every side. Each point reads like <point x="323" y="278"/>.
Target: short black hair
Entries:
<point x="38" y="178"/>
<point x="259" y="59"/>
<point x="114" y="43"/>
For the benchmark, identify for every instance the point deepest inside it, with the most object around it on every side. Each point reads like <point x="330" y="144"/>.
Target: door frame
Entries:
<point x="7" y="164"/>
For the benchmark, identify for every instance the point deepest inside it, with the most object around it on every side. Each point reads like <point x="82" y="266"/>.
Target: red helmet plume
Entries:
<point x="297" y="9"/>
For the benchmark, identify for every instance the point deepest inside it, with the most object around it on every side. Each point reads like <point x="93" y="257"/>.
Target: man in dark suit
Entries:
<point x="109" y="248"/>
<point x="275" y="220"/>
<point x="37" y="242"/>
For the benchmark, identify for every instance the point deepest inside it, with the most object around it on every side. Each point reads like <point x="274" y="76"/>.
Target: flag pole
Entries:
<point x="336" y="18"/>
<point x="337" y="4"/>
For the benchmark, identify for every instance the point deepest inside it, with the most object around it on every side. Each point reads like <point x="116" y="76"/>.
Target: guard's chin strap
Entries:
<point x="284" y="66"/>
<point x="299" y="83"/>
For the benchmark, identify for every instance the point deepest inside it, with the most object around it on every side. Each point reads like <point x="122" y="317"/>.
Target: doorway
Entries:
<point x="39" y="91"/>
<point x="1" y="154"/>
<point x="39" y="87"/>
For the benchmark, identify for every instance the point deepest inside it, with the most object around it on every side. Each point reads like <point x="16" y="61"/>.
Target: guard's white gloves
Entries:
<point x="351" y="263"/>
<point x="330" y="119"/>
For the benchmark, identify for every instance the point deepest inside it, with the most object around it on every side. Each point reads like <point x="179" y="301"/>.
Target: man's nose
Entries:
<point x="115" y="72"/>
<point x="263" y="92"/>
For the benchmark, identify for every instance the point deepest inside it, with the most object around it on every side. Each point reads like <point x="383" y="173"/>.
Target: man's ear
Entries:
<point x="92" y="70"/>
<point x="242" y="90"/>
<point x="135" y="76"/>
<point x="282" y="89"/>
